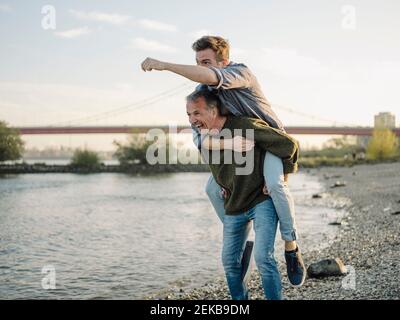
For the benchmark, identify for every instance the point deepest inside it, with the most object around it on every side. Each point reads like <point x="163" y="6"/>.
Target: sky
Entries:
<point x="319" y="62"/>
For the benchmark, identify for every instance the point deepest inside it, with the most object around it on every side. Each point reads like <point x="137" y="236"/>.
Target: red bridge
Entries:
<point x="354" y="131"/>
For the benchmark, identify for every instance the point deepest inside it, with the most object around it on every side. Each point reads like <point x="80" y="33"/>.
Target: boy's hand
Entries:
<point x="152" y="64"/>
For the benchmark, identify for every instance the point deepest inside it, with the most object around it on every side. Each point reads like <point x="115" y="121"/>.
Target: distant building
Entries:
<point x="385" y="120"/>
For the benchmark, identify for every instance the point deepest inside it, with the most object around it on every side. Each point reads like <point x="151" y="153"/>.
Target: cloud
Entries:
<point x="112" y="18"/>
<point x="288" y="63"/>
<point x="151" y="45"/>
<point x="73" y="33"/>
<point x="5" y="8"/>
<point x="156" y="25"/>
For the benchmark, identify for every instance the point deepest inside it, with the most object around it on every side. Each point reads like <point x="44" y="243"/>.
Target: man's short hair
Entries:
<point x="211" y="98"/>
<point x="218" y="44"/>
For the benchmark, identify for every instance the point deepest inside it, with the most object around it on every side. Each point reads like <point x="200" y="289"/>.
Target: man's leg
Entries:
<point x="236" y="230"/>
<point x="213" y="191"/>
<point x="265" y="225"/>
<point x="284" y="205"/>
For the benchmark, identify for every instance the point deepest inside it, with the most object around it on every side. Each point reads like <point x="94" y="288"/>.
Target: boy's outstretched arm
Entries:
<point x="198" y="74"/>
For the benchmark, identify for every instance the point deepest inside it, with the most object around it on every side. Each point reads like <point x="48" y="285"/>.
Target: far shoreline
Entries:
<point x="39" y="167"/>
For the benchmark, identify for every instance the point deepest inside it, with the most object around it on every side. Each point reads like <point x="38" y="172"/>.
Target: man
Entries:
<point x="240" y="93"/>
<point x="245" y="199"/>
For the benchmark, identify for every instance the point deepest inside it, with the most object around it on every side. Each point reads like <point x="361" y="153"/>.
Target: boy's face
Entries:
<point x="208" y="58"/>
<point x="199" y="114"/>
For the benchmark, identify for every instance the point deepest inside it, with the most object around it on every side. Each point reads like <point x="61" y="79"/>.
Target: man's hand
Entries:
<point x="150" y="64"/>
<point x="237" y="144"/>
<point x="241" y="144"/>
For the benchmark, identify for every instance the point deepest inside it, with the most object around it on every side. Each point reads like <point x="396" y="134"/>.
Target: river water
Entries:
<point x="116" y="236"/>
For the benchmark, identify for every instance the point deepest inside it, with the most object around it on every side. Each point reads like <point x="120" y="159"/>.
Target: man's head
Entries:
<point x="211" y="51"/>
<point x="203" y="109"/>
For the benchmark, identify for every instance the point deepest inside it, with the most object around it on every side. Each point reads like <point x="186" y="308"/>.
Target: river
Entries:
<point x="116" y="236"/>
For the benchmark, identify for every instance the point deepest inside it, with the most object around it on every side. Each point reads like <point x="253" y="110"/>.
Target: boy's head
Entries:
<point x="211" y="51"/>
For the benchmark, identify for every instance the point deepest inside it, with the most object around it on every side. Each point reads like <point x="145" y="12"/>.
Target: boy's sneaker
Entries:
<point x="246" y="260"/>
<point x="296" y="270"/>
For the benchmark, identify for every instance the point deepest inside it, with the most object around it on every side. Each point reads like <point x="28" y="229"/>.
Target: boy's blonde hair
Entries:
<point x="218" y="44"/>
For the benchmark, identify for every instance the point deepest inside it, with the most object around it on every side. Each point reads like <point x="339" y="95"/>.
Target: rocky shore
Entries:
<point x="367" y="242"/>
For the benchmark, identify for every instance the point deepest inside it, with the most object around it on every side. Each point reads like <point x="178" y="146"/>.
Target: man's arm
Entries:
<point x="198" y="74"/>
<point x="237" y="144"/>
<point x="278" y="143"/>
<point x="274" y="141"/>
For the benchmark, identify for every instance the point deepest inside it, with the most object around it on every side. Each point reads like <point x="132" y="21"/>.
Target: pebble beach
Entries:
<point x="367" y="241"/>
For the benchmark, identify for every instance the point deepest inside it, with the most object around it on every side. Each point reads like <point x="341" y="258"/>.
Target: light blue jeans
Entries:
<point x="278" y="190"/>
<point x="236" y="231"/>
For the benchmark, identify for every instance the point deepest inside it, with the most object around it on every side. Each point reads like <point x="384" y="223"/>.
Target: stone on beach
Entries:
<point x="338" y="184"/>
<point x="317" y="196"/>
<point x="336" y="176"/>
<point x="326" y="268"/>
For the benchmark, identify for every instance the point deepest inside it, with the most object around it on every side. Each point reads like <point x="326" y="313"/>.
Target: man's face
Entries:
<point x="199" y="114"/>
<point x="208" y="58"/>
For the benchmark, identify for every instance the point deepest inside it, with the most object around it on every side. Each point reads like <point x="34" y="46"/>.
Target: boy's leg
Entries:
<point x="213" y="191"/>
<point x="236" y="231"/>
<point x="281" y="196"/>
<point x="265" y="225"/>
<point x="284" y="205"/>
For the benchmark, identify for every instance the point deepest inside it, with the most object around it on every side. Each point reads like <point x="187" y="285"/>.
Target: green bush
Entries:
<point x="85" y="159"/>
<point x="11" y="144"/>
<point x="383" y="145"/>
<point x="134" y="151"/>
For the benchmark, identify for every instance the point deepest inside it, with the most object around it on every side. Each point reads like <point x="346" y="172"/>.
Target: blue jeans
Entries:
<point x="278" y="190"/>
<point x="236" y="230"/>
